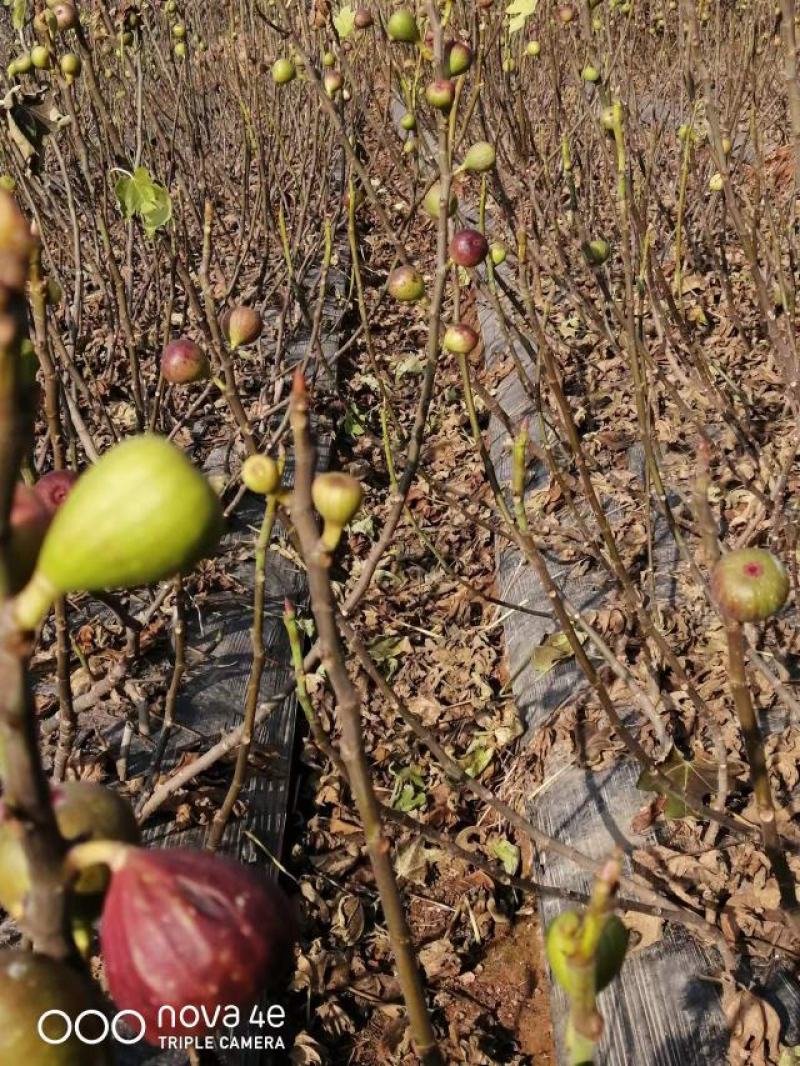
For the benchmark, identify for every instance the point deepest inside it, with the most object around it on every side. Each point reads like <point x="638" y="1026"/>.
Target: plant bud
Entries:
<point x="337" y="497"/>
<point x="749" y="585"/>
<point x="140" y="514"/>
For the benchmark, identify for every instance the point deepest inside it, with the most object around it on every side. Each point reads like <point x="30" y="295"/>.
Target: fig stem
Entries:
<point x="31" y="605"/>
<point x="759" y="775"/>
<point x="110" y="853"/>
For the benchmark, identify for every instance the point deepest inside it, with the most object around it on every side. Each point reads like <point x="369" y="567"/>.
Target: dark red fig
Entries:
<point x="30" y="517"/>
<point x="363" y="18"/>
<point x="749" y="585"/>
<point x="468" y="247"/>
<point x="183" y="362"/>
<point x="189" y="928"/>
<point x="53" y="488"/>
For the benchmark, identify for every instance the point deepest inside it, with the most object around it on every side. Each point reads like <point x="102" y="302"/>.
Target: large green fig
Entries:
<point x="611" y="950"/>
<point x="140" y="514"/>
<point x="84" y="811"/>
<point x="562" y="935"/>
<point x="32" y="989"/>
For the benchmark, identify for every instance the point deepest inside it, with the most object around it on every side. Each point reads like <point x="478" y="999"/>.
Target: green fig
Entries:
<point x="261" y="474"/>
<point x="432" y="199"/>
<point x="36" y="993"/>
<point x="480" y="157"/>
<point x="611" y="950"/>
<point x="84" y="811"/>
<point x="140" y="514"/>
<point x="337" y="497"/>
<point x="402" y="27"/>
<point x="749" y="585"/>
<point x="283" y="71"/>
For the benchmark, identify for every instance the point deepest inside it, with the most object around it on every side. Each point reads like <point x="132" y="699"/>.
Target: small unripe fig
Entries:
<point x="597" y="251"/>
<point x="242" y="325"/>
<point x="41" y="57"/>
<point x="30" y="520"/>
<point x="460" y="338"/>
<point x="457" y="58"/>
<point x="183" y="362"/>
<point x="441" y="93"/>
<point x="432" y="198"/>
<point x="171" y="7"/>
<point x="140" y="514"/>
<point x="402" y="27"/>
<point x="533" y="48"/>
<point x="70" y="64"/>
<point x="362" y="19"/>
<point x="7" y="183"/>
<point x="566" y="13"/>
<point x="468" y="247"/>
<point x="509" y="65"/>
<point x="260" y="474"/>
<point x="329" y="60"/>
<point x="727" y="146"/>
<point x="608" y="119"/>
<point x="332" y="81"/>
<point x="180" y="49"/>
<point x="410" y="145"/>
<point x="23" y="64"/>
<point x="337" y="497"/>
<point x="749" y="585"/>
<point x="498" y="254"/>
<point x="406" y="285"/>
<point x="409" y="121"/>
<point x="183" y="927"/>
<point x="84" y="811"/>
<point x="179" y="31"/>
<point x="716" y="183"/>
<point x="480" y="157"/>
<point x="53" y="488"/>
<point x="590" y="73"/>
<point x="32" y="986"/>
<point x="283" y="71"/>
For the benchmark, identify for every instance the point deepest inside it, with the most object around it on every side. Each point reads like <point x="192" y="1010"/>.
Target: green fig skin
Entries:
<point x="30" y="986"/>
<point x="84" y="811"/>
<point x="140" y="514"/>
<point x="749" y="585"/>
<point x="558" y="942"/>
<point x="402" y="27"/>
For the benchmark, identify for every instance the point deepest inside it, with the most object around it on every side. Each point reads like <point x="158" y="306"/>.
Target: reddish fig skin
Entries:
<point x="242" y="325"/>
<point x="53" y="488"/>
<point x="184" y="362"/>
<point x="457" y="58"/>
<point x="363" y="18"/>
<point x="441" y="93"/>
<point x="468" y="248"/>
<point x="749" y="585"/>
<point x="460" y="338"/>
<point x="184" y="927"/>
<point x="30" y="518"/>
<point x="406" y="284"/>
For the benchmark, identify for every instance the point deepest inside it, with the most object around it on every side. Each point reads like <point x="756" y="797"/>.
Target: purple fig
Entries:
<point x="468" y="247"/>
<point x="183" y="362"/>
<point x="183" y="927"/>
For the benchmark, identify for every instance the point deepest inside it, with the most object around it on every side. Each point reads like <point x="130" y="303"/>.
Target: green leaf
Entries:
<point x="354" y="422"/>
<point x="519" y="11"/>
<point x="159" y="213"/>
<point x="477" y="759"/>
<point x="555" y="649"/>
<point x="409" y="789"/>
<point x="19" y="11"/>
<point x="344" y="21"/>
<point x="696" y="779"/>
<point x="507" y="853"/>
<point x="139" y="195"/>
